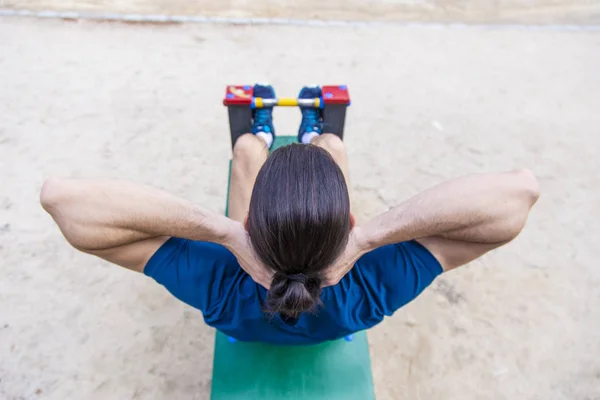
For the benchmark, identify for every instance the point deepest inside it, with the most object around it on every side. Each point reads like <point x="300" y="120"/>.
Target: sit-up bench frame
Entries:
<point x="240" y="101"/>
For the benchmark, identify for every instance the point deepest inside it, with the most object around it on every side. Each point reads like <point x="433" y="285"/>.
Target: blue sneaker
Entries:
<point x="262" y="118"/>
<point x="312" y="117"/>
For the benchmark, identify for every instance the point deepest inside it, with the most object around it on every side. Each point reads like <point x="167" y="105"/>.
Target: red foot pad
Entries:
<point x="336" y="95"/>
<point x="238" y="95"/>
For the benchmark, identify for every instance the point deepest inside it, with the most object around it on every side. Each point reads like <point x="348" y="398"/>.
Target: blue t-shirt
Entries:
<point x="208" y="277"/>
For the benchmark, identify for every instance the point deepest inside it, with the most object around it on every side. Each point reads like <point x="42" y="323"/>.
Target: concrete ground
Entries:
<point x="142" y="102"/>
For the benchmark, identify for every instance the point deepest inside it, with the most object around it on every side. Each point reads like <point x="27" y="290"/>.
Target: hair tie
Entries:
<point x="300" y="278"/>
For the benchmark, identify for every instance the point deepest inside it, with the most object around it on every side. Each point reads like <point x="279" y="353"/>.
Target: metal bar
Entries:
<point x="259" y="102"/>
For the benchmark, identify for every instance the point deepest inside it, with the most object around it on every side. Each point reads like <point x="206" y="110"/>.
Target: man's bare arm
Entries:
<point x="126" y="223"/>
<point x="461" y="219"/>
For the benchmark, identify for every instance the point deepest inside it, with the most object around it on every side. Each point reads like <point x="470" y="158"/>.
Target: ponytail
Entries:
<point x="291" y="295"/>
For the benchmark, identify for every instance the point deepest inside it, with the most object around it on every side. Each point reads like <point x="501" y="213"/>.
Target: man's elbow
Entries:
<point x="48" y="193"/>
<point x="526" y="194"/>
<point x="53" y="194"/>
<point x="530" y="187"/>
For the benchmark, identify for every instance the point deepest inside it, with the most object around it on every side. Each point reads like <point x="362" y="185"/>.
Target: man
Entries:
<point x="289" y="266"/>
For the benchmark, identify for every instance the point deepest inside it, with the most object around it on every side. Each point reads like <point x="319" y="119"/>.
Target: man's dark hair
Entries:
<point x="298" y="223"/>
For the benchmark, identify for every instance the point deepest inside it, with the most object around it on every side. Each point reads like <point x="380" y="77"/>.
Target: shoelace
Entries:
<point x="310" y="118"/>
<point x="262" y="117"/>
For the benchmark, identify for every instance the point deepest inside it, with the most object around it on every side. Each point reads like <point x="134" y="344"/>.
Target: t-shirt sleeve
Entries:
<point x="192" y="271"/>
<point x="396" y="274"/>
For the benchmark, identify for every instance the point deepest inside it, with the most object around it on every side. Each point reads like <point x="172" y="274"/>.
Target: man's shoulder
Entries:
<point x="201" y="274"/>
<point x="209" y="249"/>
<point x="196" y="255"/>
<point x="399" y="253"/>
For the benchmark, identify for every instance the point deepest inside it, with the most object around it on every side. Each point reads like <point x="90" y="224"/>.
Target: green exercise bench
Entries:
<point x="257" y="371"/>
